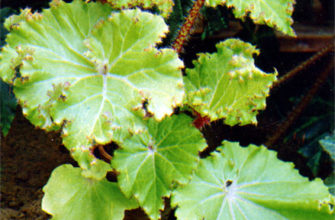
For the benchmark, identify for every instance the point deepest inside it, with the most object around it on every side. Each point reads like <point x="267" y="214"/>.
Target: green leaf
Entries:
<point x="49" y="48"/>
<point x="165" y="6"/>
<point x="14" y="21"/>
<point x="250" y="183"/>
<point x="49" y="45"/>
<point x="11" y="57"/>
<point x="93" y="72"/>
<point x="7" y="107"/>
<point x="276" y="14"/>
<point x="227" y="84"/>
<point x="9" y="61"/>
<point x="151" y="163"/>
<point x="69" y="195"/>
<point x="4" y="13"/>
<point x="328" y="144"/>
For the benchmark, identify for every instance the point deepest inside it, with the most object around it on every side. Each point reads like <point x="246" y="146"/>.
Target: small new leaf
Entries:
<point x="227" y="84"/>
<point x="151" y="163"/>
<point x="276" y="14"/>
<point x="69" y="196"/>
<point x="251" y="183"/>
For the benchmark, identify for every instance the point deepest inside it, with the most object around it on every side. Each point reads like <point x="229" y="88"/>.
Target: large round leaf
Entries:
<point x="92" y="72"/>
<point x="151" y="163"/>
<point x="250" y="183"/>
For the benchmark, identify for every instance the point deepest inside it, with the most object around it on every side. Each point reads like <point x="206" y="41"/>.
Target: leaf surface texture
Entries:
<point x="150" y="164"/>
<point x="250" y="183"/>
<point x="276" y="14"/>
<point x="227" y="84"/>
<point x="91" y="69"/>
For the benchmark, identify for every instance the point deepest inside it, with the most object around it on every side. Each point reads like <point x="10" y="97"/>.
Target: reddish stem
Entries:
<point x="282" y="128"/>
<point x="184" y="31"/>
<point x="304" y="65"/>
<point x="200" y="121"/>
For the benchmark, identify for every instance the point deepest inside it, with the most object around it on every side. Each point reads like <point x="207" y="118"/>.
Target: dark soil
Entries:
<point x="28" y="155"/>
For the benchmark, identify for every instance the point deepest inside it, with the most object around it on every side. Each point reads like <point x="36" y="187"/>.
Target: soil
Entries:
<point x="28" y="155"/>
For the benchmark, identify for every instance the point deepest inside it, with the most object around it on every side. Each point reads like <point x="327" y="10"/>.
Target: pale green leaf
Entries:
<point x="49" y="49"/>
<point x="51" y="44"/>
<point x="8" y="64"/>
<point x="274" y="13"/>
<point x="92" y="72"/>
<point x="11" y="57"/>
<point x="14" y="21"/>
<point x="70" y="196"/>
<point x="165" y="6"/>
<point x="227" y="84"/>
<point x="151" y="163"/>
<point x="250" y="183"/>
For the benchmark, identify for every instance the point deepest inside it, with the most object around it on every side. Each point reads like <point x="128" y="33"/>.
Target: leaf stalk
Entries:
<point x="184" y="31"/>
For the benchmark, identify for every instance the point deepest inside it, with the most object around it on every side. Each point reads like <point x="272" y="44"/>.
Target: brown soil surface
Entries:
<point x="28" y="155"/>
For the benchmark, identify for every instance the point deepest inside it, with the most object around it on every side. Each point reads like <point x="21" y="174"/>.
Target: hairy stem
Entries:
<point x="185" y="29"/>
<point x="304" y="65"/>
<point x="283" y="127"/>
